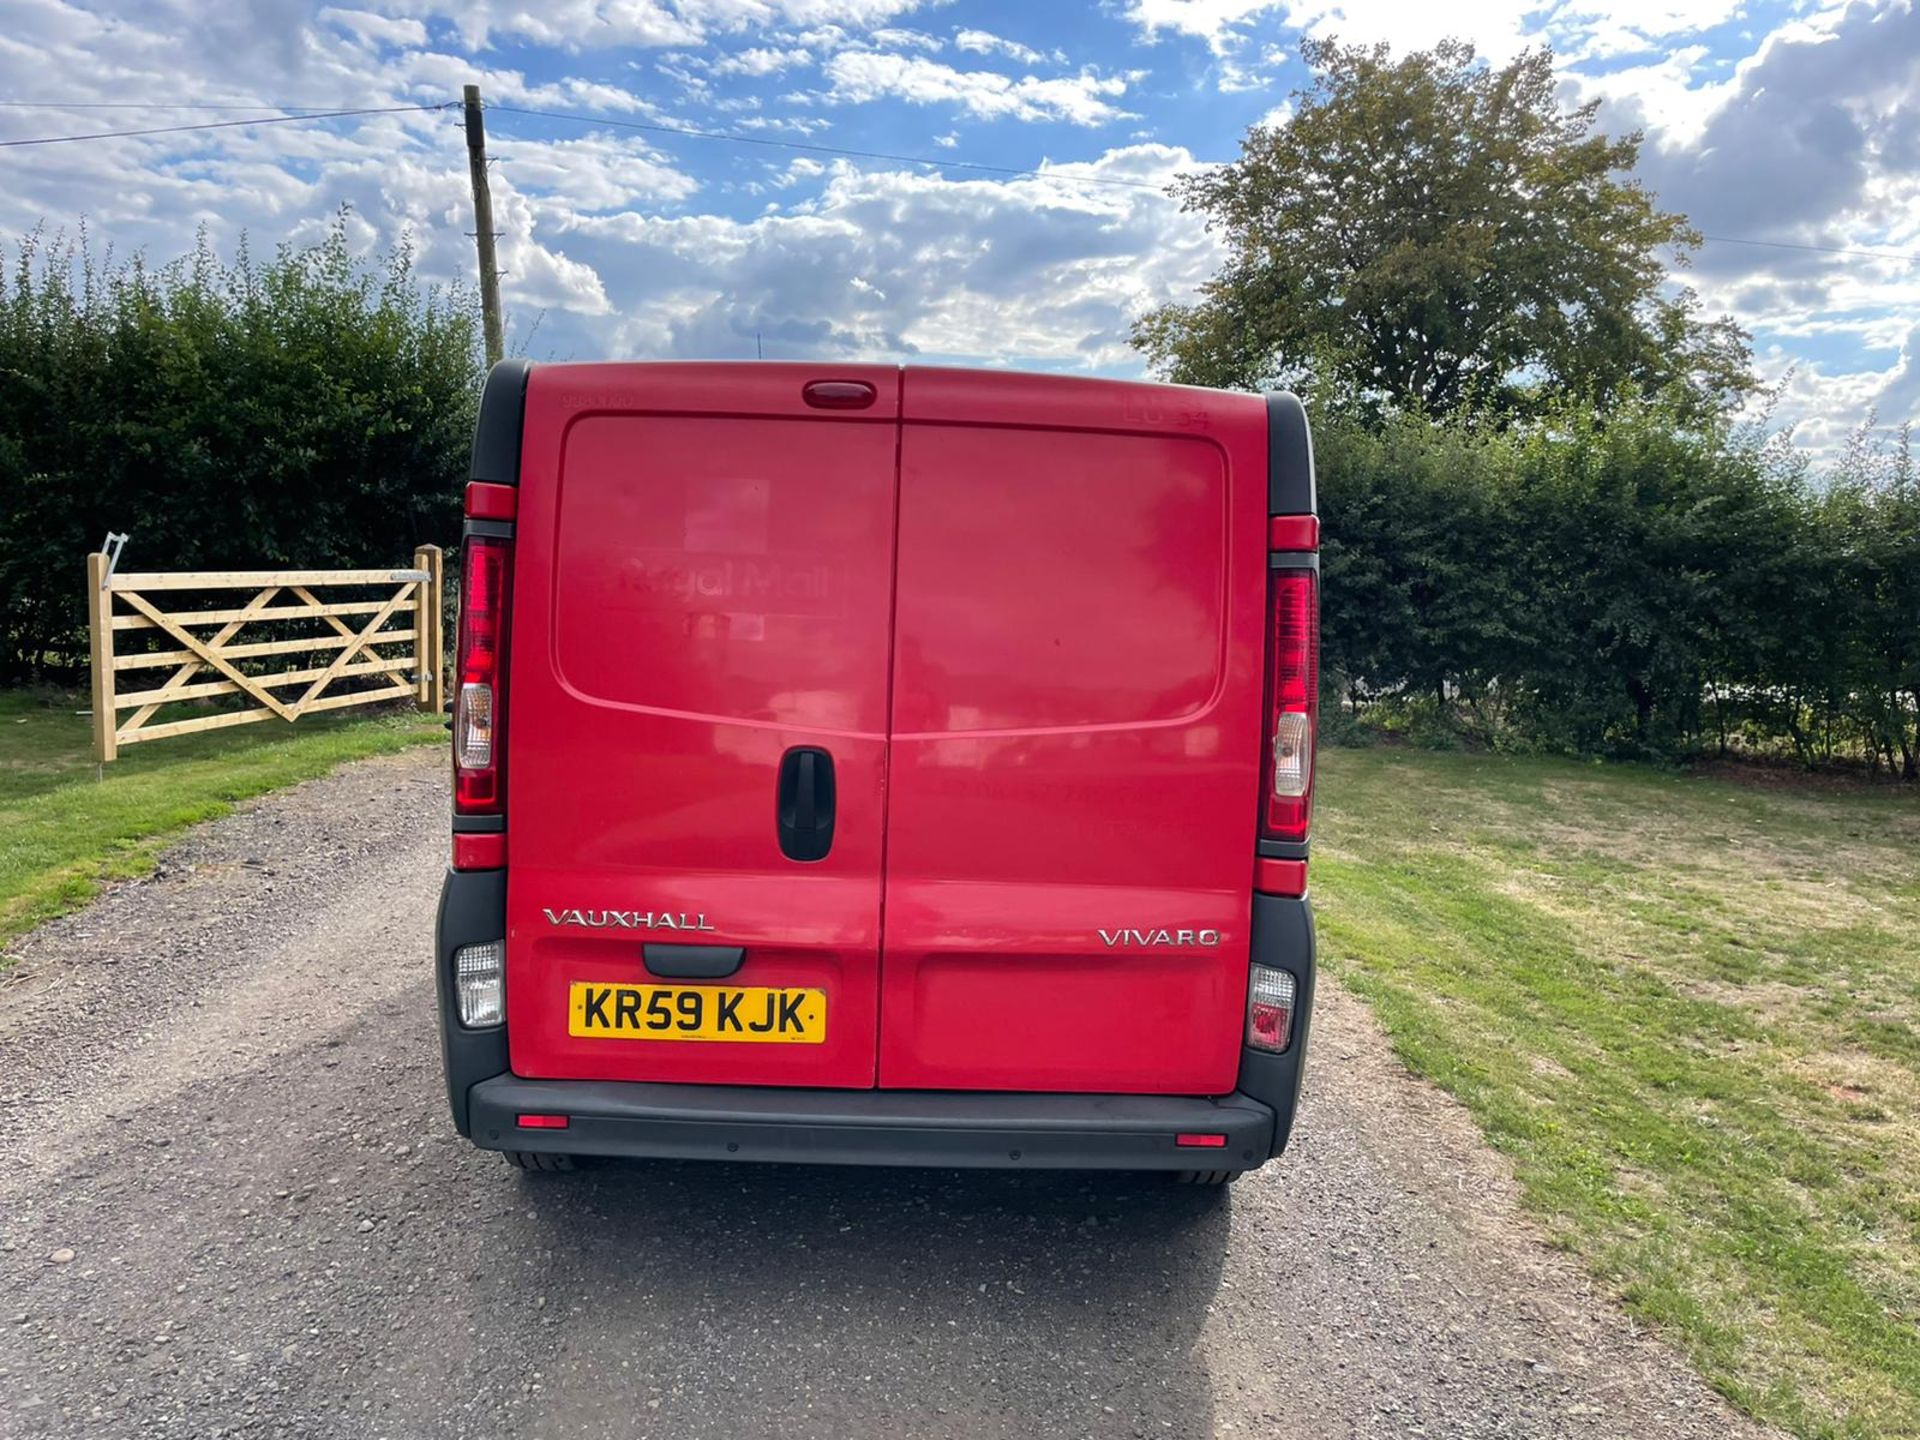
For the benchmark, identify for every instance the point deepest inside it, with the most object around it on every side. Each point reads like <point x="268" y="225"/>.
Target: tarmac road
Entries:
<point x="232" y="1203"/>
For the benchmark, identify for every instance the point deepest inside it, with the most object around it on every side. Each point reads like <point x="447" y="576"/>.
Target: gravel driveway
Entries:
<point x="232" y="1203"/>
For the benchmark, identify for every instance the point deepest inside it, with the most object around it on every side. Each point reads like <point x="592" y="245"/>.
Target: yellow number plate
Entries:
<point x="754" y="1014"/>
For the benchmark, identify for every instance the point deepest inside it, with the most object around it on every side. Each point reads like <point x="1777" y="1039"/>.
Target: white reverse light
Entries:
<point x="473" y="727"/>
<point x="480" y="983"/>
<point x="1270" y="1009"/>
<point x="1292" y="755"/>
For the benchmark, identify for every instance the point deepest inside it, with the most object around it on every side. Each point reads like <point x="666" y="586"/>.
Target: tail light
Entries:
<point x="479" y="709"/>
<point x="1270" y="1009"/>
<point x="1293" y="703"/>
<point x="480" y="983"/>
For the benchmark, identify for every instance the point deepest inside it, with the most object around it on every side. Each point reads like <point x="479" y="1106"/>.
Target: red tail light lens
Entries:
<point x="479" y="709"/>
<point x="1293" y="703"/>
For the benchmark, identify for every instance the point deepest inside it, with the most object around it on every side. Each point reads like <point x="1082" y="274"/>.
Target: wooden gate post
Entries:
<point x="431" y="690"/>
<point x="100" y="636"/>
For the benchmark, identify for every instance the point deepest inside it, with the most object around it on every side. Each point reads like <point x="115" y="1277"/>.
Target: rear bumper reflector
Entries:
<point x="871" y="1127"/>
<point x="1201" y="1142"/>
<point x="483" y="851"/>
<point x="543" y="1122"/>
<point x="1280" y="877"/>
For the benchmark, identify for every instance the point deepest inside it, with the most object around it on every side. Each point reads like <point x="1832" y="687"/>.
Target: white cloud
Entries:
<point x="1900" y="394"/>
<point x="894" y="37"/>
<point x="1214" y="21"/>
<point x="436" y="73"/>
<point x="601" y="23"/>
<point x="1668" y="96"/>
<point x="762" y="60"/>
<point x="1084" y="99"/>
<point x="377" y="29"/>
<point x="891" y="265"/>
<point x="1825" y="404"/>
<point x="593" y="172"/>
<point x="398" y="173"/>
<point x="1604" y="28"/>
<point x="984" y="42"/>
<point x="1499" y="29"/>
<point x="800" y="170"/>
<point x="1811" y="138"/>
<point x="1814" y="139"/>
<point x="607" y="24"/>
<point x="783" y="124"/>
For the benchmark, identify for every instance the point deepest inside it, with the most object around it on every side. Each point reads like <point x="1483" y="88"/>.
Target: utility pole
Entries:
<point x="483" y="225"/>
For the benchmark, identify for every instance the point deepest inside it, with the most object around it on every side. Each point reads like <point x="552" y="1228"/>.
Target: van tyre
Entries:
<point x="1209" y="1178"/>
<point x="536" y="1160"/>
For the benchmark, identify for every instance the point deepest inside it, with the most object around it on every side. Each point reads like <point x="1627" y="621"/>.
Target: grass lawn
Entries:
<point x="1689" y="1011"/>
<point x="62" y="831"/>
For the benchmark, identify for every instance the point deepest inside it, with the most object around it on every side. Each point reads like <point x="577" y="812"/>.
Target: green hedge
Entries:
<point x="312" y="411"/>
<point x="1636" y="586"/>
<point x="1627" y="587"/>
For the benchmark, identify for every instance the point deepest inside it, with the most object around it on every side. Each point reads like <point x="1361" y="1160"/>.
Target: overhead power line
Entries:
<point x="227" y="124"/>
<point x="163" y="105"/>
<point x="1823" y="249"/>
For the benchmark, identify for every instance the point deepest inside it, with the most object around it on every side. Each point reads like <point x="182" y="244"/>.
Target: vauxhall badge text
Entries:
<point x="628" y="919"/>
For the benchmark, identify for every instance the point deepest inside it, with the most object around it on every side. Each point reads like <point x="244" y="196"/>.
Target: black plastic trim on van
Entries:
<point x="974" y="1129"/>
<point x="1283" y="939"/>
<point x="496" y="429"/>
<point x="487" y="529"/>
<point x="473" y="910"/>
<point x="691" y="962"/>
<point x="1267" y="849"/>
<point x="1290" y="485"/>
<point x="804" y="804"/>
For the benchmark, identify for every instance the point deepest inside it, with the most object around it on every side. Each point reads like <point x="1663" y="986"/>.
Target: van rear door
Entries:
<point x="702" y="585"/>
<point x="1076" y="729"/>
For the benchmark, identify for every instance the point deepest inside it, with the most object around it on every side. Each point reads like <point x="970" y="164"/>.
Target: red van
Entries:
<point x="869" y="765"/>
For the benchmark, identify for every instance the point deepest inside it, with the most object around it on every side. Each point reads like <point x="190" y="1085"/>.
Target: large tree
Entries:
<point x="1432" y="232"/>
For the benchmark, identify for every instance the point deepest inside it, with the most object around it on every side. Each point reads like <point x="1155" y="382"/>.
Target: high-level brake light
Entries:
<point x="1293" y="702"/>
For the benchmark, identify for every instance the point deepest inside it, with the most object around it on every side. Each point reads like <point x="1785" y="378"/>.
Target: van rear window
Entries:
<point x="736" y="568"/>
<point x="1057" y="578"/>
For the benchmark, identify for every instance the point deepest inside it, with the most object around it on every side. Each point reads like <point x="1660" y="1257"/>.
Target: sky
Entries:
<point x="1793" y="124"/>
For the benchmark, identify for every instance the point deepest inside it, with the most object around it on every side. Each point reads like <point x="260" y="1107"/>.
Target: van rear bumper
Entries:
<point x="872" y="1127"/>
<point x="869" y="1127"/>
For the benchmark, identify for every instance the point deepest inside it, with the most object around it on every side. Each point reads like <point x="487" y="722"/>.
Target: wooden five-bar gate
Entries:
<point x="201" y="653"/>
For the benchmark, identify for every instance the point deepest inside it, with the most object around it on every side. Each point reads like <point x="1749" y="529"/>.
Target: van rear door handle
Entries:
<point x="803" y="803"/>
<point x="692" y="962"/>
